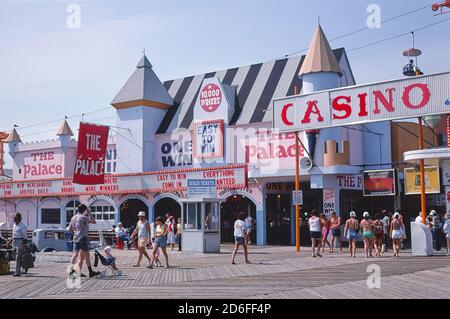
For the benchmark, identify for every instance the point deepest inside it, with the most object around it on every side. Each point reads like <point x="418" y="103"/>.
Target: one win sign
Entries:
<point x="91" y="151"/>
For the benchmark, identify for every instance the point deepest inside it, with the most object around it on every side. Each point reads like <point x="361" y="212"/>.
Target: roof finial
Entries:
<point x="318" y="20"/>
<point x="143" y="51"/>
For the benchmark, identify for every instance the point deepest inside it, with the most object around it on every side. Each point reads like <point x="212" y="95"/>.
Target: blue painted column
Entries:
<point x="261" y="238"/>
<point x="261" y="220"/>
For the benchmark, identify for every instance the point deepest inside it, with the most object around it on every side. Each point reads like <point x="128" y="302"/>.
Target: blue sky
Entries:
<point x="48" y="70"/>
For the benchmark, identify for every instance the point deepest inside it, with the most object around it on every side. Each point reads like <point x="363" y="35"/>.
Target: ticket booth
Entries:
<point x="201" y="225"/>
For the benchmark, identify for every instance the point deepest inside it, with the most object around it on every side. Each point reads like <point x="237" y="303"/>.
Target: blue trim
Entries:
<point x="261" y="229"/>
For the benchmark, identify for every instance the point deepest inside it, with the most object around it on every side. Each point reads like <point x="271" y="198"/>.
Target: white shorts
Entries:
<point x="397" y="234"/>
<point x="171" y="239"/>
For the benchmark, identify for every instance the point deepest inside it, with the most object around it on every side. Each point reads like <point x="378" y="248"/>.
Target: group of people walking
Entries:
<point x="158" y="236"/>
<point x="376" y="233"/>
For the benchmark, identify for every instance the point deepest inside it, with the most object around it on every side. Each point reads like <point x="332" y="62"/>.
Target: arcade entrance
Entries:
<point x="167" y="205"/>
<point x="129" y="210"/>
<point x="229" y="211"/>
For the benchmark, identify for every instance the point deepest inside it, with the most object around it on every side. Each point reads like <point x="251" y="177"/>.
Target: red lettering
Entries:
<point x="379" y="97"/>
<point x="426" y="95"/>
<point x="312" y="108"/>
<point x="362" y="104"/>
<point x="284" y="115"/>
<point x="342" y="107"/>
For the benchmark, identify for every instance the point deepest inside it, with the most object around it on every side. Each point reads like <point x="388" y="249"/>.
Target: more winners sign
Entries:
<point x="224" y="177"/>
<point x="389" y="100"/>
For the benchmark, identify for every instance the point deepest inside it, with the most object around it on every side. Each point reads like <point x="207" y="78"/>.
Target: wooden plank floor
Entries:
<point x="275" y="272"/>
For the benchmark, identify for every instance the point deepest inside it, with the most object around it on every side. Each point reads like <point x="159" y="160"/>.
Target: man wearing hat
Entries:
<point x="143" y="232"/>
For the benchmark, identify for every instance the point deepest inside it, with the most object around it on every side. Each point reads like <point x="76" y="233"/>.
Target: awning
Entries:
<point x="427" y="154"/>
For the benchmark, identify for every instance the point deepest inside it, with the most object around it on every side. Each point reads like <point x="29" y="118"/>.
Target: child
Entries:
<point x="110" y="259"/>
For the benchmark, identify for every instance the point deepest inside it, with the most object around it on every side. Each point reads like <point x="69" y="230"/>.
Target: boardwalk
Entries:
<point x="275" y="272"/>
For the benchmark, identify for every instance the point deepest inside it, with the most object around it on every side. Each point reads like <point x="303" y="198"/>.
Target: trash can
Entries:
<point x="4" y="262"/>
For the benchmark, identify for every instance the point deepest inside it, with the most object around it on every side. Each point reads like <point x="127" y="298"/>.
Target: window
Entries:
<point x="71" y="210"/>
<point x="192" y="216"/>
<point x="101" y="210"/>
<point x="50" y="216"/>
<point x="111" y="157"/>
<point x="212" y="217"/>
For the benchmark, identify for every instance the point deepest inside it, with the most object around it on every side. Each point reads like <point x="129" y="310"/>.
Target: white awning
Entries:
<point x="427" y="154"/>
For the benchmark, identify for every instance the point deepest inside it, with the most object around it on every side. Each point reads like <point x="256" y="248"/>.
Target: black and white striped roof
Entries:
<point x="256" y="86"/>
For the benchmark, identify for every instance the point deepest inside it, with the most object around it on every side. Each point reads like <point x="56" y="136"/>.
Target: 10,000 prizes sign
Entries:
<point x="91" y="151"/>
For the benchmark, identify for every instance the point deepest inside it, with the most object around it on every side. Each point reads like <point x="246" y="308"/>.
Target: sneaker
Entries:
<point x="94" y="274"/>
<point x="16" y="275"/>
<point x="319" y="255"/>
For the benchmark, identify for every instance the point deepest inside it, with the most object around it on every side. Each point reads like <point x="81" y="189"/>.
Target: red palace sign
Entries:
<point x="226" y="177"/>
<point x="91" y="153"/>
<point x="399" y="99"/>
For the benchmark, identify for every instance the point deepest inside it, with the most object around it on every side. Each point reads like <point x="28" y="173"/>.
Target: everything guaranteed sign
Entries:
<point x="406" y="98"/>
<point x="90" y="161"/>
<point x="225" y="177"/>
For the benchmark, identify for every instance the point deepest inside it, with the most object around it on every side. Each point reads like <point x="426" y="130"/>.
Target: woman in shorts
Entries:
<point x="396" y="233"/>
<point x="378" y="228"/>
<point x="240" y="233"/>
<point x="160" y="241"/>
<point x="315" y="225"/>
<point x="161" y="232"/>
<point x="142" y="230"/>
<point x="351" y="233"/>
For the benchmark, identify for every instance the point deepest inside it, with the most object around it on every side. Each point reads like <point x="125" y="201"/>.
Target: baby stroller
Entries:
<point x="109" y="268"/>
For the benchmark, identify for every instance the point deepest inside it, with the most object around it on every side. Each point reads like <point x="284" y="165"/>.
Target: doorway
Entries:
<point x="229" y="211"/>
<point x="129" y="210"/>
<point x="167" y="205"/>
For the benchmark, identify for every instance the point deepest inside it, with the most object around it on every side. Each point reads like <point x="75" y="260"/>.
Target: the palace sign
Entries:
<point x="225" y="177"/>
<point x="91" y="153"/>
<point x="399" y="99"/>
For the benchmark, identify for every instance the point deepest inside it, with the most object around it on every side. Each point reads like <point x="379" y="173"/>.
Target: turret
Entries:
<point x="141" y="105"/>
<point x="13" y="141"/>
<point x="320" y="71"/>
<point x="64" y="133"/>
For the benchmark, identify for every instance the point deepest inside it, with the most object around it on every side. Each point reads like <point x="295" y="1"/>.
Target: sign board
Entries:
<point x="389" y="100"/>
<point x="446" y="172"/>
<point x="91" y="153"/>
<point x="329" y="201"/>
<point x="226" y="177"/>
<point x="350" y="182"/>
<point x="212" y="101"/>
<point x="379" y="183"/>
<point x="208" y="139"/>
<point x="297" y="198"/>
<point x="201" y="188"/>
<point x="412" y="180"/>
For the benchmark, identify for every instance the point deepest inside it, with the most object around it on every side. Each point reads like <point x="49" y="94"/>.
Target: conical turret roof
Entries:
<point x="65" y="129"/>
<point x="13" y="137"/>
<point x="143" y="88"/>
<point x="320" y="57"/>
